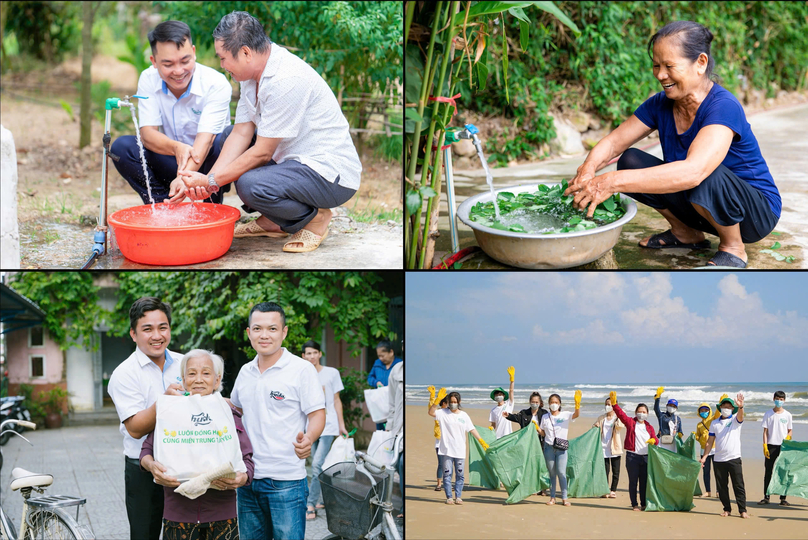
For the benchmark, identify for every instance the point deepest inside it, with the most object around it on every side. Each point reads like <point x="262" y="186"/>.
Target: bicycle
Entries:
<point x="42" y="517"/>
<point x="358" y="499"/>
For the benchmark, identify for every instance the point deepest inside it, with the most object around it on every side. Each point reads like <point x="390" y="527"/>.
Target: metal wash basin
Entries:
<point x="538" y="251"/>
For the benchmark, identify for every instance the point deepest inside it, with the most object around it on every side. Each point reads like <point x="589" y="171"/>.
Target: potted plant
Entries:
<point x="53" y="401"/>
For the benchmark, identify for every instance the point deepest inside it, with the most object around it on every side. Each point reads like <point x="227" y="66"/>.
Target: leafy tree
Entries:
<point x="70" y="303"/>
<point x="46" y="30"/>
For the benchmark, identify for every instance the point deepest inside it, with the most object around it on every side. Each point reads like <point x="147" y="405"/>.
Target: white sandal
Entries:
<point x="244" y="230"/>
<point x="309" y="240"/>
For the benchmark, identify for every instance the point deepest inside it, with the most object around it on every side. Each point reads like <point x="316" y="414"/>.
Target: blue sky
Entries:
<point x="589" y="327"/>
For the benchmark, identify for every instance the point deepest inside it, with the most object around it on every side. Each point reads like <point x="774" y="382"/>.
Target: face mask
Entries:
<point x="534" y="406"/>
<point x="608" y="408"/>
<point x="499" y="399"/>
<point x="554" y="407"/>
<point x="726" y="413"/>
<point x="642" y="416"/>
<point x="454" y="406"/>
<point x="670" y="410"/>
<point x="704" y="414"/>
<point x="778" y="402"/>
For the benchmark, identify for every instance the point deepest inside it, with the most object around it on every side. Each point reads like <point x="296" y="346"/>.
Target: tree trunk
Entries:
<point x="86" y="79"/>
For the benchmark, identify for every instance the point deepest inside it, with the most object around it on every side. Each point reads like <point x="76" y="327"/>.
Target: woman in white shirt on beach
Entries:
<point x="555" y="425"/>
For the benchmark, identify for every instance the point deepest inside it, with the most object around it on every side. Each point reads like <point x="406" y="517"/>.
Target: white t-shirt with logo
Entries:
<point x="135" y="385"/>
<point x="640" y="439"/>
<point x="559" y="422"/>
<point x="606" y="437"/>
<point x="453" y="429"/>
<point x="276" y="404"/>
<point x="727" y="433"/>
<point x="502" y="426"/>
<point x="778" y="425"/>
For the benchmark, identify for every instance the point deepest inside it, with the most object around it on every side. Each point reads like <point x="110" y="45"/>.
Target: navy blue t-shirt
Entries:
<point x="719" y="107"/>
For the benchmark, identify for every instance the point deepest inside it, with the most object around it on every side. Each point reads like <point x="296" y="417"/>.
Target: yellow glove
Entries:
<point x="788" y="437"/>
<point x="680" y="434"/>
<point x="436" y="431"/>
<point x="491" y="428"/>
<point x="577" y="399"/>
<point x="766" y="451"/>
<point x="483" y="444"/>
<point x="613" y="398"/>
<point x="652" y="441"/>
<point x="441" y="395"/>
<point x="722" y="398"/>
<point x="511" y="372"/>
<point x="431" y="390"/>
<point x="659" y="392"/>
<point x="535" y="424"/>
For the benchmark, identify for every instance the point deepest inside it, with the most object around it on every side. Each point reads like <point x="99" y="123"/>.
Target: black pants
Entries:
<point x="637" y="467"/>
<point x="774" y="451"/>
<point x="707" y="465"/>
<point x="727" y="198"/>
<point x="440" y="465"/>
<point x="724" y="470"/>
<point x="144" y="502"/>
<point x="162" y="168"/>
<point x="614" y="464"/>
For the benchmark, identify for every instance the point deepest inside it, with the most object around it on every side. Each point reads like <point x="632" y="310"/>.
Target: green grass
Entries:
<point x="375" y="214"/>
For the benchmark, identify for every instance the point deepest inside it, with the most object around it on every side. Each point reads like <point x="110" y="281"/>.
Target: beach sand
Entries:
<point x="484" y="514"/>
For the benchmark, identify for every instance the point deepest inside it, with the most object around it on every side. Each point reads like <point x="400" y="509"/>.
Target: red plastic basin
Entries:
<point x="175" y="235"/>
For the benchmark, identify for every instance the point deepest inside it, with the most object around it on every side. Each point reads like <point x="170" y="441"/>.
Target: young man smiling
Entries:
<point x="191" y="102"/>
<point x="134" y="387"/>
<point x="278" y="393"/>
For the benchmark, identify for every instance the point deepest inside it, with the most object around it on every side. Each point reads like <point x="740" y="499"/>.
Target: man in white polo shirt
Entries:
<point x="190" y="102"/>
<point x="134" y="387"/>
<point x="290" y="152"/>
<point x="725" y="434"/>
<point x="278" y="393"/>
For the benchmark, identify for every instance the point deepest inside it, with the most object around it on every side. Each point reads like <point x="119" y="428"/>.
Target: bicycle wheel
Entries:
<point x="54" y="524"/>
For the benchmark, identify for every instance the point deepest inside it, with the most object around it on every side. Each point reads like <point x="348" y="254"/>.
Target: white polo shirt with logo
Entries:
<point x="295" y="104"/>
<point x="276" y="405"/>
<point x="135" y="385"/>
<point x="203" y="108"/>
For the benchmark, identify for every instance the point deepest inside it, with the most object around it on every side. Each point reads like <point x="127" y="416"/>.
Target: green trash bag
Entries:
<point x="517" y="461"/>
<point x="480" y="472"/>
<point x="586" y="471"/>
<point x="671" y="481"/>
<point x="790" y="474"/>
<point x="690" y="449"/>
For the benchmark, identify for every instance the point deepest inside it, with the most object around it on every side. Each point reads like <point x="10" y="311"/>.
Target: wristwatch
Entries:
<point x="213" y="187"/>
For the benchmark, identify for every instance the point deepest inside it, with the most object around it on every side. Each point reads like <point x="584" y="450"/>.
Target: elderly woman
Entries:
<point x="212" y="515"/>
<point x="713" y="179"/>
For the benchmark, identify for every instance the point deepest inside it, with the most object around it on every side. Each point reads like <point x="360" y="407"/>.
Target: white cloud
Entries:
<point x="508" y="338"/>
<point x="539" y="332"/>
<point x="595" y="332"/>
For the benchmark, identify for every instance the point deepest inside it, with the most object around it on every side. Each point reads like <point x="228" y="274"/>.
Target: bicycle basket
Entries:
<point x="346" y="495"/>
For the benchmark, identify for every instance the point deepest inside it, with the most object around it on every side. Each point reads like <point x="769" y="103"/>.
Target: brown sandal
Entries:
<point x="309" y="240"/>
<point x="245" y="230"/>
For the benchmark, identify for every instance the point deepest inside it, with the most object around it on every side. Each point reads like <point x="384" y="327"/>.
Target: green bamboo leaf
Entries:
<point x="482" y="74"/>
<point x="505" y="61"/>
<point x="427" y="191"/>
<point x="413" y="202"/>
<point x="488" y="8"/>
<point x="519" y="13"/>
<point x="412" y="114"/>
<point x="551" y="8"/>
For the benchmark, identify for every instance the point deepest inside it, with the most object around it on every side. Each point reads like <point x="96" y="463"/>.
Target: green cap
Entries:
<point x="499" y="390"/>
<point x="731" y="402"/>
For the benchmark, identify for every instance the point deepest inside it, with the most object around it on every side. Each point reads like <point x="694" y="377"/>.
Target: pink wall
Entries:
<point x="18" y="363"/>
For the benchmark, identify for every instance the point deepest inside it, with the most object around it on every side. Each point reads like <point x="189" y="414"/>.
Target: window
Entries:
<point x="37" y="367"/>
<point x="36" y="336"/>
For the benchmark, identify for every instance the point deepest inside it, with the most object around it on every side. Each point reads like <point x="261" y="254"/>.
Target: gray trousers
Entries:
<point x="289" y="193"/>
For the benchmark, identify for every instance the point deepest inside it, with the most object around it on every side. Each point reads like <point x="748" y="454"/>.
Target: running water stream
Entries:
<point x="488" y="178"/>
<point x="142" y="156"/>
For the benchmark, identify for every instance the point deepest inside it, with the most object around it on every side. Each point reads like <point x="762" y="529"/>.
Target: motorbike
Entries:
<point x="12" y="408"/>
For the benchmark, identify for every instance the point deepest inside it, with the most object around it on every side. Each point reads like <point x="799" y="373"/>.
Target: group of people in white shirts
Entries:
<point x="717" y="433"/>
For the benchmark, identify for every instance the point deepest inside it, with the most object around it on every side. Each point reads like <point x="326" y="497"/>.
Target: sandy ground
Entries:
<point x="484" y="514"/>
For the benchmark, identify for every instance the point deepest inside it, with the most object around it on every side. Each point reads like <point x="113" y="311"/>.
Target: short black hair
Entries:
<point x="238" y="29"/>
<point x="385" y="345"/>
<point x="637" y="408"/>
<point x="267" y="307"/>
<point x="693" y="39"/>
<point x="445" y="400"/>
<point x="174" y="31"/>
<point x="141" y="306"/>
<point x="310" y="344"/>
<point x="779" y="395"/>
<point x="554" y="396"/>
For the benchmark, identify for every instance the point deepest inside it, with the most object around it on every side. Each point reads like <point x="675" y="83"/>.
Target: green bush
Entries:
<point x="355" y="382"/>
<point x="389" y="148"/>
<point x="757" y="45"/>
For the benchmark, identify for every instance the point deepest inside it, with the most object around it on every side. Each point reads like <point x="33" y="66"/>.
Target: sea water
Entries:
<point x="142" y="157"/>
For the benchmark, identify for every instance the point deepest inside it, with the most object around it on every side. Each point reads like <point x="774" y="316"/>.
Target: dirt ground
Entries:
<point x="60" y="183"/>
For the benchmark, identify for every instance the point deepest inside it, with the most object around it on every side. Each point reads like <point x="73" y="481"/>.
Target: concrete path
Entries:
<point x="86" y="462"/>
<point x="782" y="137"/>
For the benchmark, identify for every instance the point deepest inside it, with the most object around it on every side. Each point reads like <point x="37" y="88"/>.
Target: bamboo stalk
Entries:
<point x="416" y="136"/>
<point x="410" y="9"/>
